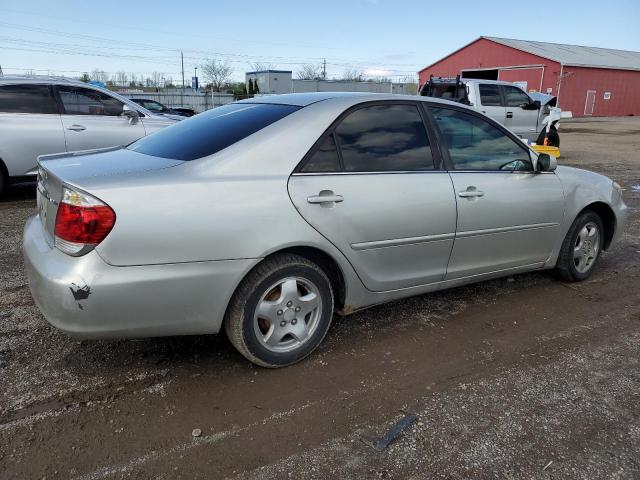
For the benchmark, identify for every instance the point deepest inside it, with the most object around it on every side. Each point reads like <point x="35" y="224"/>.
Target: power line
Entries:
<point x="165" y="32"/>
<point x="172" y="50"/>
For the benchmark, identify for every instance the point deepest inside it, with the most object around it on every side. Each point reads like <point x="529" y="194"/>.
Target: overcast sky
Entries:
<point x="379" y="37"/>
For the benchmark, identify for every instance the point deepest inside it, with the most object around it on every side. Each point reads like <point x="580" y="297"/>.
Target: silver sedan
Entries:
<point x="266" y="216"/>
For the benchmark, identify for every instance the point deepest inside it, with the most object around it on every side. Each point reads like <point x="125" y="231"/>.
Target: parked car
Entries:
<point x="44" y="115"/>
<point x="159" y="108"/>
<point x="505" y="102"/>
<point x="265" y="216"/>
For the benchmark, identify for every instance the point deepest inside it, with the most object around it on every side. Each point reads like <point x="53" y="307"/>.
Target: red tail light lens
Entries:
<point x="82" y="222"/>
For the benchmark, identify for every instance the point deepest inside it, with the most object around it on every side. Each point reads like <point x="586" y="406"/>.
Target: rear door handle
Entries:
<point x="77" y="128"/>
<point x="509" y="114"/>
<point x="328" y="197"/>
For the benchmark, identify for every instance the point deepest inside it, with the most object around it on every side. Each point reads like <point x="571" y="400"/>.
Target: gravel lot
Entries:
<point x="524" y="377"/>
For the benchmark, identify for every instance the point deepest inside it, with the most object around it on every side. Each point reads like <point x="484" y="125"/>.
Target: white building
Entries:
<point x="281" y="81"/>
<point x="270" y="81"/>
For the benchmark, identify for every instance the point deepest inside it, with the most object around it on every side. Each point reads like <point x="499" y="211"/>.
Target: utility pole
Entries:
<point x="324" y="69"/>
<point x="182" y="92"/>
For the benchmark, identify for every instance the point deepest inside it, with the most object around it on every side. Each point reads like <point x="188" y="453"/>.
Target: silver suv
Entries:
<point x="44" y="115"/>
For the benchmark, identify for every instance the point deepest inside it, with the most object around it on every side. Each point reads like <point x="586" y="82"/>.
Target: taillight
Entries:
<point x="82" y="222"/>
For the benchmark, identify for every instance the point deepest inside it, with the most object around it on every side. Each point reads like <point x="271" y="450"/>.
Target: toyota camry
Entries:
<point x="267" y="216"/>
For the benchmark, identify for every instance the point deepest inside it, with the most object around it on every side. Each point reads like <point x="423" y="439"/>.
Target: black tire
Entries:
<point x="553" y="139"/>
<point x="566" y="268"/>
<point x="3" y="181"/>
<point x="241" y="322"/>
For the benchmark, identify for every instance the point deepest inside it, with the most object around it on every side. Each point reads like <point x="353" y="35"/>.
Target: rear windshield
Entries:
<point x="211" y="131"/>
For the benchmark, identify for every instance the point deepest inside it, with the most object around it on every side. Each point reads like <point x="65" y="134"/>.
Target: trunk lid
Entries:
<point x="54" y="171"/>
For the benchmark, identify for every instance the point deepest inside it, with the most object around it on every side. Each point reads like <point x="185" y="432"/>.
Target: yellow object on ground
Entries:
<point x="553" y="151"/>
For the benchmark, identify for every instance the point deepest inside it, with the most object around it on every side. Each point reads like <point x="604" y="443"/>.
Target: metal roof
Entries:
<point x="576" y="55"/>
<point x="268" y="71"/>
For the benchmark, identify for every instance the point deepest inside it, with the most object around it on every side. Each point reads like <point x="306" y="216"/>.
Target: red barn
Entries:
<point x="586" y="80"/>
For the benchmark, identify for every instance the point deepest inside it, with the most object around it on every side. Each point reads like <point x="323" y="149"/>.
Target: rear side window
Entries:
<point x="325" y="157"/>
<point x="490" y="95"/>
<point x="475" y="144"/>
<point x="27" y="99"/>
<point x="211" y="131"/>
<point x="384" y="138"/>
<point x="84" y="101"/>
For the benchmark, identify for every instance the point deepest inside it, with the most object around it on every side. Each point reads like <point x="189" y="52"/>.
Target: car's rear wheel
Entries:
<point x="281" y="311"/>
<point x="581" y="248"/>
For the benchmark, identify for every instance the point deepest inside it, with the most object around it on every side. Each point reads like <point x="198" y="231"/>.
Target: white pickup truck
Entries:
<point x="506" y="103"/>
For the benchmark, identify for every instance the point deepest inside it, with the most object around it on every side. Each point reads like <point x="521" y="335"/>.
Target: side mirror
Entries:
<point x="130" y="113"/>
<point x="534" y="105"/>
<point x="546" y="162"/>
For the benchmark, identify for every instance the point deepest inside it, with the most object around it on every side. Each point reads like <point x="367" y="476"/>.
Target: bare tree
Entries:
<point x="260" y="66"/>
<point x="157" y="78"/>
<point x="121" y="79"/>
<point x="353" y="75"/>
<point x="217" y="72"/>
<point x="100" y="76"/>
<point x="309" y="72"/>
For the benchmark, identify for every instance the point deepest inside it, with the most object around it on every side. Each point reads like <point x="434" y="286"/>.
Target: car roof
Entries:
<point x="342" y="98"/>
<point x="482" y="80"/>
<point x="22" y="79"/>
<point x="301" y="99"/>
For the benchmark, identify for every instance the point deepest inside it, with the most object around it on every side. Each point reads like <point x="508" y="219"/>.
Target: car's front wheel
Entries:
<point x="281" y="311"/>
<point x="553" y="139"/>
<point x="581" y="248"/>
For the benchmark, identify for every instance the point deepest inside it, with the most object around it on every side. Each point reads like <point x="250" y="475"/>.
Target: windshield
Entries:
<point x="211" y="131"/>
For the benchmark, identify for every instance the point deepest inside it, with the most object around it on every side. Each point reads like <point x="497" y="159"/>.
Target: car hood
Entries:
<point x="71" y="167"/>
<point x="544" y="99"/>
<point x="170" y="116"/>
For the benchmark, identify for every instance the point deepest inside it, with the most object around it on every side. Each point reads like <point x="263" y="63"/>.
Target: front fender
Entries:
<point x="583" y="188"/>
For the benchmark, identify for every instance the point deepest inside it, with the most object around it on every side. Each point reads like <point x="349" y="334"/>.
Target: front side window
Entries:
<point x="211" y="131"/>
<point x="384" y="138"/>
<point x="490" y="95"/>
<point x="27" y="99"/>
<point x="84" y="101"/>
<point x="515" y="97"/>
<point x="475" y="144"/>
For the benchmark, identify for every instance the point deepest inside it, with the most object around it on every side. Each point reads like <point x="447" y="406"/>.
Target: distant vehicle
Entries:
<point x="45" y="115"/>
<point x="159" y="108"/>
<point x="263" y="217"/>
<point x="505" y="102"/>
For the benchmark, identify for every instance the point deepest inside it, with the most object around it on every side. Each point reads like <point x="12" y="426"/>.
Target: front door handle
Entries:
<point x="471" y="192"/>
<point x="509" y="114"/>
<point x="77" y="128"/>
<point x="325" y="196"/>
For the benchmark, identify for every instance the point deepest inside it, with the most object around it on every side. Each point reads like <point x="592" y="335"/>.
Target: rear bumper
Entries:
<point x="86" y="297"/>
